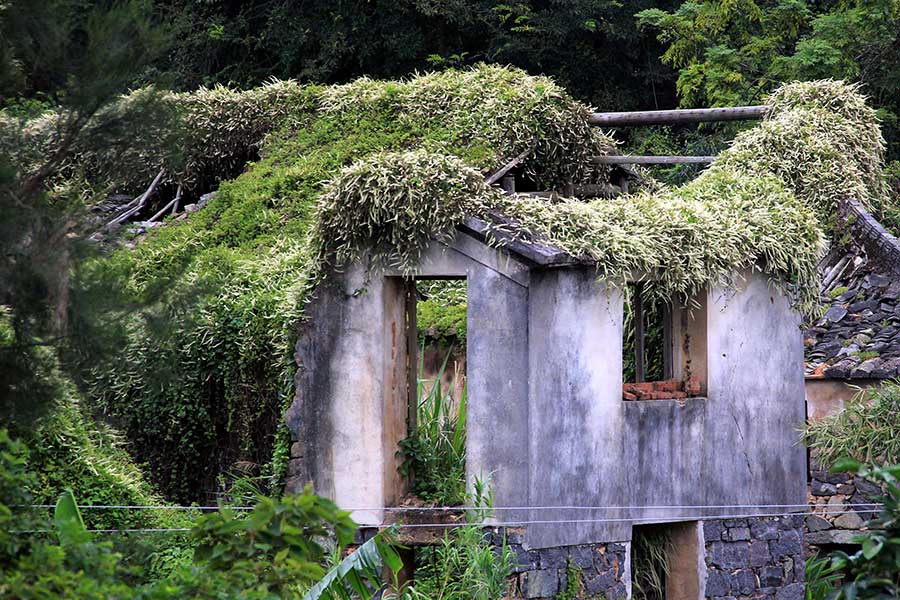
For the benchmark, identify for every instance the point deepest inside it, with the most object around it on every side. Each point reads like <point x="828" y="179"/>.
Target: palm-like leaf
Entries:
<point x="361" y="572"/>
<point x="68" y="521"/>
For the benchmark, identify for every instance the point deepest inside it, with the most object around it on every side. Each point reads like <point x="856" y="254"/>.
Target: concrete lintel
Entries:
<point x="452" y="260"/>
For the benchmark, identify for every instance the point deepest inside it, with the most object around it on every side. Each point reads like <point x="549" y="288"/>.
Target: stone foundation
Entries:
<point x="838" y="501"/>
<point x="543" y="574"/>
<point x="758" y="557"/>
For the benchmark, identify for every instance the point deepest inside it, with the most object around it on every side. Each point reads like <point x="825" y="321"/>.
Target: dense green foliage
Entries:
<point x="866" y="430"/>
<point x="462" y="567"/>
<point x="59" y="47"/>
<point x="277" y="550"/>
<point x="590" y="46"/>
<point x="873" y="571"/>
<point x="731" y="53"/>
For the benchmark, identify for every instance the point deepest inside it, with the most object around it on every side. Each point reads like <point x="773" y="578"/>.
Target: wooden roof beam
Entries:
<point x="672" y="117"/>
<point x="617" y="159"/>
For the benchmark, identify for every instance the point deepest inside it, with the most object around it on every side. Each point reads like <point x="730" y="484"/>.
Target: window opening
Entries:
<point x="663" y="347"/>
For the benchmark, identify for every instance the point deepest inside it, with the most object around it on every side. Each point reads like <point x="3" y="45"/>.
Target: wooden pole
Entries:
<point x="671" y="117"/>
<point x="638" y="319"/>
<point x="412" y="359"/>
<point x="624" y="159"/>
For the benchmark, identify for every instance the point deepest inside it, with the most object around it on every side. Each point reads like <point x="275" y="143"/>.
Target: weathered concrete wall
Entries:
<point x="756" y="397"/>
<point x="497" y="423"/>
<point x="828" y="396"/>
<point x="349" y="405"/>
<point x="662" y="438"/>
<point x="576" y="423"/>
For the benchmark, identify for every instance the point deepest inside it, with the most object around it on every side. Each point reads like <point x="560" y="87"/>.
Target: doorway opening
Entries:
<point x="433" y="455"/>
<point x="666" y="561"/>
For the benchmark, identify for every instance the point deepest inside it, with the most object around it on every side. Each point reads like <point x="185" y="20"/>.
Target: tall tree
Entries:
<point x="68" y="60"/>
<point x="590" y="46"/>
<point x="735" y="51"/>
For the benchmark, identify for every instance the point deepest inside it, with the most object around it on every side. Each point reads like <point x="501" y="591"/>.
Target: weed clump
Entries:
<point x="866" y="430"/>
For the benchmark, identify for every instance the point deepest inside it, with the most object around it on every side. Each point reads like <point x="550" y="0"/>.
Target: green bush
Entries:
<point x="866" y="430"/>
<point x="278" y="550"/>
<point x="874" y="570"/>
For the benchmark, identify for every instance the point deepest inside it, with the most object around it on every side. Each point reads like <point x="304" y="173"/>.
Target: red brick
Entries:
<point x="692" y="386"/>
<point x="668" y="385"/>
<point x="628" y="396"/>
<point x="644" y="386"/>
<point x="678" y="395"/>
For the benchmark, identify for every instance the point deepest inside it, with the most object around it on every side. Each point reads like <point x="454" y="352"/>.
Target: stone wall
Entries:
<point x="758" y="557"/>
<point x="839" y="500"/>
<point x="543" y="573"/>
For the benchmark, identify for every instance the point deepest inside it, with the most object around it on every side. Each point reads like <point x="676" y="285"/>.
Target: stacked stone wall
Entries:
<point x="841" y="507"/>
<point x="543" y="574"/>
<point x="758" y="557"/>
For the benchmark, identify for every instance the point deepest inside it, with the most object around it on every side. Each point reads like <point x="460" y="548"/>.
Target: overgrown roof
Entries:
<point x="388" y="165"/>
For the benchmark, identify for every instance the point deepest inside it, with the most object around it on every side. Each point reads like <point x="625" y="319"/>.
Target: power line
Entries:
<point x="660" y="519"/>
<point x="472" y="508"/>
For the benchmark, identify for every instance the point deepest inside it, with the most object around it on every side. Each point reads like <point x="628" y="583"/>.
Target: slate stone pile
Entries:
<point x="758" y="557"/>
<point x="842" y="504"/>
<point x="543" y="573"/>
<point x="858" y="337"/>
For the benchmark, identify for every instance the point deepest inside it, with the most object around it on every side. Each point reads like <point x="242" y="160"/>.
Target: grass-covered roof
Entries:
<point x="389" y="165"/>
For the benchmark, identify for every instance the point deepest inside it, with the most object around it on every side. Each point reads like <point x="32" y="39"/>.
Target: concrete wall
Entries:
<point x="576" y="423"/>
<point x="828" y="396"/>
<point x="350" y="404"/>
<point x="755" y="381"/>
<point x="546" y="421"/>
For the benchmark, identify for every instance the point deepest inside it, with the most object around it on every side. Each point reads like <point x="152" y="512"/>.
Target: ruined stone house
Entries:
<point x="576" y="470"/>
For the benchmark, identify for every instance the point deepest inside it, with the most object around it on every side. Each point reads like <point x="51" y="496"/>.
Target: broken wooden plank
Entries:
<point x="534" y="252"/>
<point x="497" y="175"/>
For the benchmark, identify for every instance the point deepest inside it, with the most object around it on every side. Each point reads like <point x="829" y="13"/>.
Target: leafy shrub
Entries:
<point x="463" y="566"/>
<point x="866" y="430"/>
<point x="874" y="570"/>
<point x="820" y="577"/>
<point x="276" y="551"/>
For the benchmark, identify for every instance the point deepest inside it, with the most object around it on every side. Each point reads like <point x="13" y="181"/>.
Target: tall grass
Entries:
<point x="866" y="430"/>
<point x="650" y="562"/>
<point x="434" y="455"/>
